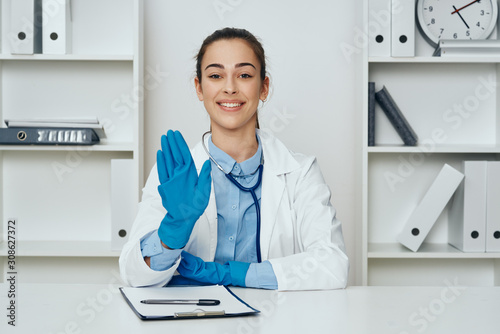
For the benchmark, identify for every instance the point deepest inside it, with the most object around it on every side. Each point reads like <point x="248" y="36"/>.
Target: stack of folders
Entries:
<point x="468" y="48"/>
<point x="474" y="224"/>
<point x="39" y="26"/>
<point x="474" y="216"/>
<point x="51" y="132"/>
<point x="393" y="113"/>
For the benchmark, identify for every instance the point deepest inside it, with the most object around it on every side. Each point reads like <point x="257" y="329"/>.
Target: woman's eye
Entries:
<point x="214" y="76"/>
<point x="245" y="76"/>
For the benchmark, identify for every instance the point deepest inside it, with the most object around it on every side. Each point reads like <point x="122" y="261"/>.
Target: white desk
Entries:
<point x="54" y="309"/>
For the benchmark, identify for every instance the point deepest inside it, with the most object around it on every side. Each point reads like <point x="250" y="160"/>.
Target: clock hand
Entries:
<point x="457" y="10"/>
<point x="461" y="18"/>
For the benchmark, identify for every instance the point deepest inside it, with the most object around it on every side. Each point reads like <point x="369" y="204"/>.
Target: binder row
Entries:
<point x="475" y="212"/>
<point x="474" y="217"/>
<point x="391" y="28"/>
<point x="393" y="113"/>
<point x="40" y="26"/>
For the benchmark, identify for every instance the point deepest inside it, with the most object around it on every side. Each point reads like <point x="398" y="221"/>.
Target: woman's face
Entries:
<point x="231" y="86"/>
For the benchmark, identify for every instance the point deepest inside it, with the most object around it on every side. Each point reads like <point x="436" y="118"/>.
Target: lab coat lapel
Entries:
<point x="277" y="162"/>
<point x="272" y="194"/>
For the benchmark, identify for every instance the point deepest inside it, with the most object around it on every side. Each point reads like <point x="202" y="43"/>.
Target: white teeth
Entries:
<point x="230" y="105"/>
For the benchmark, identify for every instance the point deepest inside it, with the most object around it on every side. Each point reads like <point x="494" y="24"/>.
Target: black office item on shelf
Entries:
<point x="47" y="136"/>
<point x="396" y="117"/>
<point x="371" y="114"/>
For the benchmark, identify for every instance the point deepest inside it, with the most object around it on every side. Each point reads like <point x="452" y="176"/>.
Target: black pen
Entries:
<point x="200" y="302"/>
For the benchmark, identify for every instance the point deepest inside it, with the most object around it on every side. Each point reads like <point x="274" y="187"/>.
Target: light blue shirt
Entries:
<point x="236" y="221"/>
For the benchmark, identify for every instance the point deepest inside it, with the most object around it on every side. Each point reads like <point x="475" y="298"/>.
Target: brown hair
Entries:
<point x="232" y="33"/>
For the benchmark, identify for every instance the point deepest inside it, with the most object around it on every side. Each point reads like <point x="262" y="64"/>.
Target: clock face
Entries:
<point x="456" y="19"/>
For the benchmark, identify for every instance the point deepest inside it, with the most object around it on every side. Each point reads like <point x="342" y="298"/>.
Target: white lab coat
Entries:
<point x="300" y="234"/>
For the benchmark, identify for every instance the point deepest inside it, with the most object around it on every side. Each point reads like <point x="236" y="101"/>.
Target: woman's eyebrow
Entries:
<point x="215" y="65"/>
<point x="244" y="64"/>
<point x="222" y="66"/>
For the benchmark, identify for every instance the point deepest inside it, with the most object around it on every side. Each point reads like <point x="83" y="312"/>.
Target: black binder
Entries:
<point x="48" y="136"/>
<point x="396" y="117"/>
<point x="371" y="114"/>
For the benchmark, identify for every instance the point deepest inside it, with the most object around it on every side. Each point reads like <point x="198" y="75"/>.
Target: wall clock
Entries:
<point x="455" y="19"/>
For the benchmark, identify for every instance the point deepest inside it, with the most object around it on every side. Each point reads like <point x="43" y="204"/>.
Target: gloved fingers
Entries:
<point x="190" y="264"/>
<point x="176" y="143"/>
<point x="179" y="280"/>
<point x="193" y="267"/>
<point x="190" y="258"/>
<point x="185" y="153"/>
<point x="205" y="180"/>
<point x="167" y="155"/>
<point x="161" y="166"/>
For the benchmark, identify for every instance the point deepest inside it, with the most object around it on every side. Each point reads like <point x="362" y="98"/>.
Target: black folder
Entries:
<point x="47" y="136"/>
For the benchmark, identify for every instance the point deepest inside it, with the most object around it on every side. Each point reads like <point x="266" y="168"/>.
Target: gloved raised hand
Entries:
<point x="184" y="194"/>
<point x="194" y="268"/>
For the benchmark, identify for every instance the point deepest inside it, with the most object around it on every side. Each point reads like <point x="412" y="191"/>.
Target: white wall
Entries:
<point x="314" y="107"/>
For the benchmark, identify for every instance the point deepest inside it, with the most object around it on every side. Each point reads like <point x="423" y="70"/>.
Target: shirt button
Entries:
<point x="231" y="238"/>
<point x="234" y="207"/>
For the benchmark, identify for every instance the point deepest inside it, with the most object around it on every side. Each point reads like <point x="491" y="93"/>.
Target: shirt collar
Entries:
<point x="246" y="167"/>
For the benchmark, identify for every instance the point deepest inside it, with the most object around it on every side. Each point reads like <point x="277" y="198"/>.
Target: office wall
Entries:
<point x="315" y="75"/>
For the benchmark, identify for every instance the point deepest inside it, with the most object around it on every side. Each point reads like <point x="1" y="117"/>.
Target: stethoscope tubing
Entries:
<point x="251" y="190"/>
<point x="257" y="205"/>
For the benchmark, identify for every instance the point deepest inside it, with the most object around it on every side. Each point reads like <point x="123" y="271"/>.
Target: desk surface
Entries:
<point x="47" y="308"/>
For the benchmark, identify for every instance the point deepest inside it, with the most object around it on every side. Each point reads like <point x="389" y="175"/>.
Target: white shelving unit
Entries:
<point x="452" y="104"/>
<point x="61" y="195"/>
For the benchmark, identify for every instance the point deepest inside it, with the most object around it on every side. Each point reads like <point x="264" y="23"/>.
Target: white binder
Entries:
<point x="123" y="201"/>
<point x="467" y="220"/>
<point x="403" y="28"/>
<point x="57" y="28"/>
<point x="24" y="36"/>
<point x="430" y="207"/>
<point x="493" y="207"/>
<point x="379" y="28"/>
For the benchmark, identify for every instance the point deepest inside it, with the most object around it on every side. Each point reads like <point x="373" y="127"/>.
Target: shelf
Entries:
<point x="436" y="60"/>
<point x="72" y="189"/>
<point x="68" y="57"/>
<point x="426" y="251"/>
<point x="61" y="248"/>
<point x="129" y="147"/>
<point x="435" y="149"/>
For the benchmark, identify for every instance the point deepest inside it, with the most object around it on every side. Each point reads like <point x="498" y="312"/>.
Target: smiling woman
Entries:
<point x="215" y="215"/>
<point x="231" y="78"/>
<point x="230" y="87"/>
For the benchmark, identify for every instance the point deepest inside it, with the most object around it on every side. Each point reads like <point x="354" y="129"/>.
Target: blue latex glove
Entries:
<point x="194" y="268"/>
<point x="184" y="194"/>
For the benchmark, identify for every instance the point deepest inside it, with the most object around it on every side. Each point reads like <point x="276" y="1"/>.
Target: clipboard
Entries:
<point x="230" y="304"/>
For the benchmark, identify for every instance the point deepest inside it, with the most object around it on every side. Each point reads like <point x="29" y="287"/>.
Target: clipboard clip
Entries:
<point x="199" y="313"/>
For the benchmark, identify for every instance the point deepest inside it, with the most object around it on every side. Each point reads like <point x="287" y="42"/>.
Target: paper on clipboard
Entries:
<point x="230" y="305"/>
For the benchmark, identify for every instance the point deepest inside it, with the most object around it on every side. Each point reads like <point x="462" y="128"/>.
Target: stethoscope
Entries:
<point x="251" y="190"/>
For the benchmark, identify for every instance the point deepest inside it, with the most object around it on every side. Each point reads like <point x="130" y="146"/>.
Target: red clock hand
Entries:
<point x="457" y="10"/>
